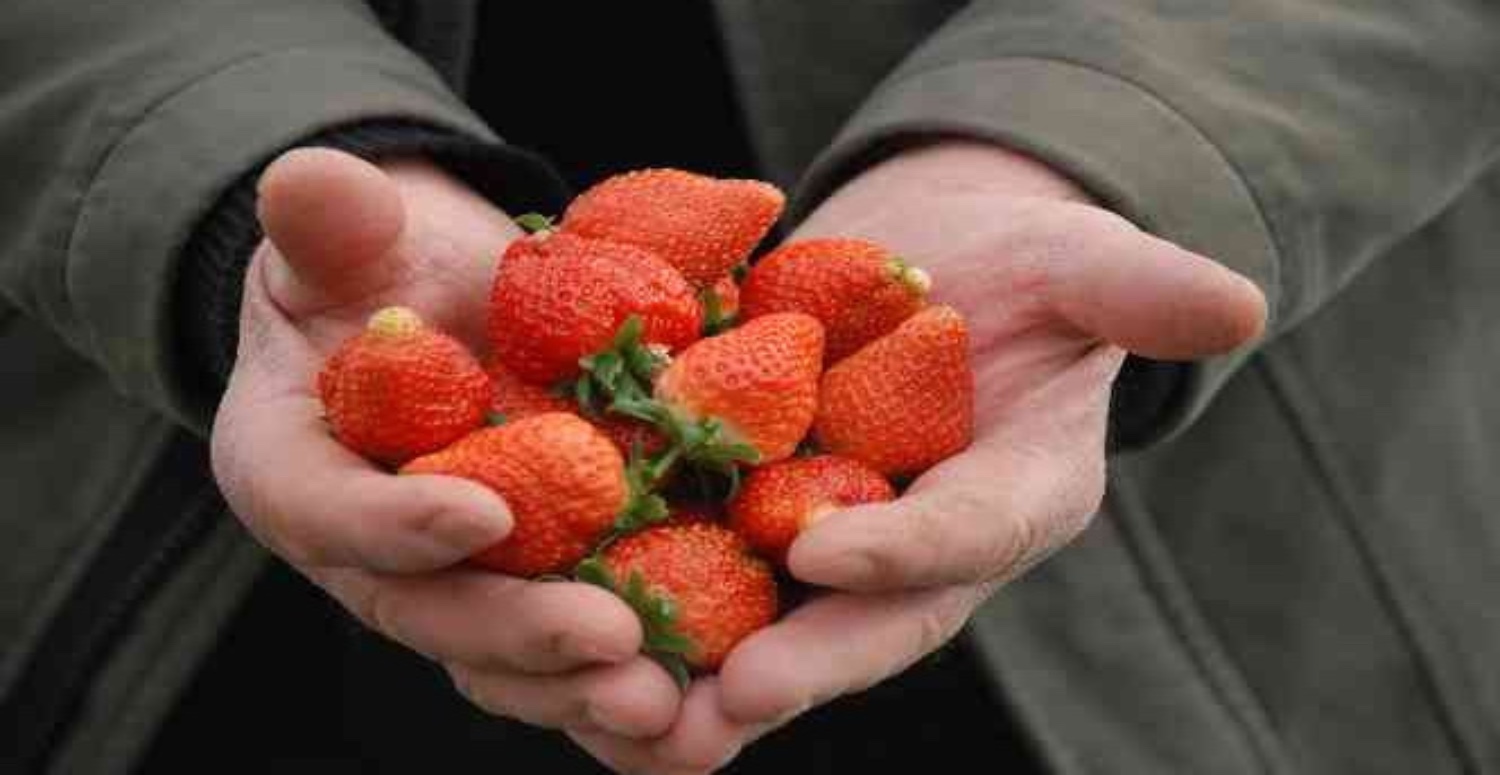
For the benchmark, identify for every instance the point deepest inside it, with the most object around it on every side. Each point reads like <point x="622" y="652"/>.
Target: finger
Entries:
<point x="809" y="657"/>
<point x="702" y="739"/>
<point x="1150" y="296"/>
<point x="1028" y="483"/>
<point x="487" y="621"/>
<point x="315" y="503"/>
<point x="334" y="218"/>
<point x="633" y="699"/>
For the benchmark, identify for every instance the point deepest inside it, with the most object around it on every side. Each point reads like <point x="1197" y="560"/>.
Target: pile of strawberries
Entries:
<point x="662" y="418"/>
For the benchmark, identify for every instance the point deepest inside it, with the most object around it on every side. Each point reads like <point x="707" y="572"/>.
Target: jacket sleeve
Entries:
<point x="121" y="124"/>
<point x="1292" y="140"/>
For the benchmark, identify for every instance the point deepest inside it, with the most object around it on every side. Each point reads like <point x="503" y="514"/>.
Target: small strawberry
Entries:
<point x="701" y="225"/>
<point x="859" y="290"/>
<point x="558" y="297"/>
<point x="515" y="399"/>
<point x="400" y="389"/>
<point x="696" y="586"/>
<point x="906" y="400"/>
<point x="564" y="482"/>
<point x="778" y="501"/>
<point x="754" y="388"/>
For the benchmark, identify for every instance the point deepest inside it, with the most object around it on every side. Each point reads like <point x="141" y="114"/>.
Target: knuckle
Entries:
<point x="383" y="613"/>
<point x="467" y="686"/>
<point x="481" y="694"/>
<point x="289" y="536"/>
<point x="426" y="521"/>
<point x="925" y="542"/>
<point x="939" y="623"/>
<point x="971" y="514"/>
<point x="1010" y="547"/>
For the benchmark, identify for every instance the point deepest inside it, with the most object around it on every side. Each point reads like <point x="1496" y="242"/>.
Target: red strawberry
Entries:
<point x="859" y="290"/>
<point x="515" y="398"/>
<point x="558" y="297"/>
<point x="905" y="401"/>
<point x="701" y="225"/>
<point x="696" y="585"/>
<point x="778" y="501"/>
<point x="758" y="381"/>
<point x="629" y="434"/>
<point x="562" y="479"/>
<point x="400" y="389"/>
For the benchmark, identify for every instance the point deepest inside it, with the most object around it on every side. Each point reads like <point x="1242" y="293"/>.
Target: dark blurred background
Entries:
<point x="646" y="103"/>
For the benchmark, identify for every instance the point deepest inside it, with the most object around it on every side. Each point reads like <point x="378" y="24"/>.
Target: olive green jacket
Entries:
<point x="1296" y="571"/>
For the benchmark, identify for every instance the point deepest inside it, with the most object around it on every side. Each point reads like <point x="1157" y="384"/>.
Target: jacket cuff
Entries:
<point x="211" y="284"/>
<point x="167" y="169"/>
<point x="1093" y="127"/>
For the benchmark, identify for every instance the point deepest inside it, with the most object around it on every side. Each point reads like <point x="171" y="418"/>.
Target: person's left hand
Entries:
<point x="1055" y="290"/>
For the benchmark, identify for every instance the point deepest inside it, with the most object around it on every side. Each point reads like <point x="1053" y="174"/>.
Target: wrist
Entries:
<point x="938" y="170"/>
<point x="962" y="165"/>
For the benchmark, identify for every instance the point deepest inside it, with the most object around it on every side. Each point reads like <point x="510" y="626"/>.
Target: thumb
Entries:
<point x="333" y="219"/>
<point x="1156" y="299"/>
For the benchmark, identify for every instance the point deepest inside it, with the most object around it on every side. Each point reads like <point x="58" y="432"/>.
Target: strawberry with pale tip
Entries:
<point x="779" y="501"/>
<point x="857" y="289"/>
<point x="400" y="389"/>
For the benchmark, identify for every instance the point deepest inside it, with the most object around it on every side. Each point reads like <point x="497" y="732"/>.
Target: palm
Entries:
<point x="1055" y="291"/>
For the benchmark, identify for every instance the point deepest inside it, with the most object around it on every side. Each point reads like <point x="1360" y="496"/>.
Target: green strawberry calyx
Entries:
<point x="643" y="474"/>
<point x="623" y="370"/>
<point x="715" y="321"/>
<point x="619" y="380"/>
<point x="535" y="223"/>
<point x="662" y="639"/>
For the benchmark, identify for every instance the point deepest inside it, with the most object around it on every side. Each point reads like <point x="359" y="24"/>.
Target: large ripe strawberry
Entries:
<point x="701" y="225"/>
<point x="563" y="480"/>
<point x="778" y="501"/>
<point x="516" y="398"/>
<point x="400" y="389"/>
<point x="697" y="587"/>
<point x="558" y="297"/>
<point x="754" y="386"/>
<point x="905" y="401"/>
<point x="859" y="290"/>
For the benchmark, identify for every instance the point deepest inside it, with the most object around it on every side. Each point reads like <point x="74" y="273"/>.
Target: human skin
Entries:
<point x="1056" y="290"/>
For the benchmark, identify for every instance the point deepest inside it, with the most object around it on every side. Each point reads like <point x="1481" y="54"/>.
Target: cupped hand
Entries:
<point x="1056" y="290"/>
<point x="346" y="238"/>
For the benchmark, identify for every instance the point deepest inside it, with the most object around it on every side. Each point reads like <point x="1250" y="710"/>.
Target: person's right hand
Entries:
<point x="344" y="239"/>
